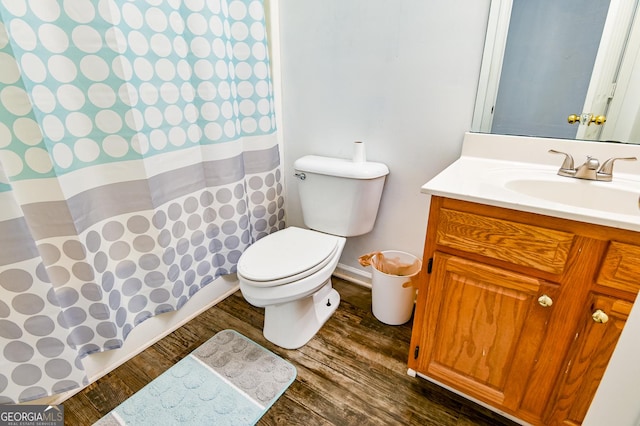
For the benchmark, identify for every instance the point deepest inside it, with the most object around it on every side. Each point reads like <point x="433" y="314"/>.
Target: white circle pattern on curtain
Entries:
<point x="92" y="67"/>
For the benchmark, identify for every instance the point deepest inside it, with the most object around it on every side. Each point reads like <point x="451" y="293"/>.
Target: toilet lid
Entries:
<point x="286" y="253"/>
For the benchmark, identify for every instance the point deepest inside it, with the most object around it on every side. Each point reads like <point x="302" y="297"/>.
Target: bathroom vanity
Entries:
<point x="522" y="300"/>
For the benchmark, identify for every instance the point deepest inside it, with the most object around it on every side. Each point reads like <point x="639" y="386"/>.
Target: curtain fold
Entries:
<point x="138" y="160"/>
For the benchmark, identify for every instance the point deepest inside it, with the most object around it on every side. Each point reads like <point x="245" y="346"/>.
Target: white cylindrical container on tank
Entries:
<point x="359" y="152"/>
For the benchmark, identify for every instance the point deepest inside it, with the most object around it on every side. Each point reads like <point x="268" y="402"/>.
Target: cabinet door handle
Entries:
<point x="545" y="301"/>
<point x="600" y="317"/>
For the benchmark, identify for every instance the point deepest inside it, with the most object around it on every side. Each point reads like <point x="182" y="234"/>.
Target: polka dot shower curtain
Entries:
<point x="138" y="159"/>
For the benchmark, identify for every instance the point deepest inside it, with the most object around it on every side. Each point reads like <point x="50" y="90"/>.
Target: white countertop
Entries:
<point x="477" y="177"/>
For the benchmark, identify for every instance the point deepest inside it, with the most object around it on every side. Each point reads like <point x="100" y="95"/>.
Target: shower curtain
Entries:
<point x="138" y="159"/>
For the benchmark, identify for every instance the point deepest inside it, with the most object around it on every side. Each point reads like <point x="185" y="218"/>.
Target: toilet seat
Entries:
<point x="286" y="256"/>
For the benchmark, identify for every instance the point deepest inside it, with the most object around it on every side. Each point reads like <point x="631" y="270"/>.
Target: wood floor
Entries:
<point x="353" y="372"/>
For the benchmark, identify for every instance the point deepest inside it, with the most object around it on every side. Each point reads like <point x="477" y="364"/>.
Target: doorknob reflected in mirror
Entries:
<point x="573" y="118"/>
<point x="587" y="119"/>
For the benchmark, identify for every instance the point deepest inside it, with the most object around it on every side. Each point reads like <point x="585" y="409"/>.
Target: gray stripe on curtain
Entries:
<point x="16" y="248"/>
<point x="48" y="219"/>
<point x="262" y="160"/>
<point x="53" y="218"/>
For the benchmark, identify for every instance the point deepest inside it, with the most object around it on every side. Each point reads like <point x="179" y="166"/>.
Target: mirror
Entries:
<point x="567" y="69"/>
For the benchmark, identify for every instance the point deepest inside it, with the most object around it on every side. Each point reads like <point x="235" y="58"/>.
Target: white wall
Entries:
<point x="400" y="75"/>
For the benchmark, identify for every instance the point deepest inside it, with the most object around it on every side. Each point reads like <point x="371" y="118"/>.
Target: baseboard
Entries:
<point x="470" y="398"/>
<point x="354" y="275"/>
<point x="149" y="332"/>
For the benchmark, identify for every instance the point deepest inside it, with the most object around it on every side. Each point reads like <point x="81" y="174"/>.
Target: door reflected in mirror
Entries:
<point x="567" y="69"/>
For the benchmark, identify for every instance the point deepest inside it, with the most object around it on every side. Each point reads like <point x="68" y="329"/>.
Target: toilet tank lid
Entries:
<point x="340" y="167"/>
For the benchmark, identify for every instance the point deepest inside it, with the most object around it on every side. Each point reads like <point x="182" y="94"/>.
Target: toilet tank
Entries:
<point x="338" y="196"/>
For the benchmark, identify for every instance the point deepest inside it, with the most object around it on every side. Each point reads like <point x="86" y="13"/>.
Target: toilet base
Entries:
<point x="291" y="325"/>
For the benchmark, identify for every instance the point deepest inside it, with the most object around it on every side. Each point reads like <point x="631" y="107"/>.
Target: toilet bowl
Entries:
<point x="289" y="274"/>
<point x="289" y="271"/>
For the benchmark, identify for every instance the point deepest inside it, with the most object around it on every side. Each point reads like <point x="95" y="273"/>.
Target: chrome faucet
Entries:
<point x="589" y="170"/>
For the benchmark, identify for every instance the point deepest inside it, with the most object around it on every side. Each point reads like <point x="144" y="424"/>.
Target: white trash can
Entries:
<point x="393" y="296"/>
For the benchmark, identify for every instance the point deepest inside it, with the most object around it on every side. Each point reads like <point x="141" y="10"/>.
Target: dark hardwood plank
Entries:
<point x="288" y="412"/>
<point x="80" y="411"/>
<point x="353" y="372"/>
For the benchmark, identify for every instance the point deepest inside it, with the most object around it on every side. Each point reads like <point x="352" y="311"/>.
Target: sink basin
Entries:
<point x="610" y="197"/>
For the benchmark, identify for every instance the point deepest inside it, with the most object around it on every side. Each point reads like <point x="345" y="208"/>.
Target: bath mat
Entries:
<point x="228" y="380"/>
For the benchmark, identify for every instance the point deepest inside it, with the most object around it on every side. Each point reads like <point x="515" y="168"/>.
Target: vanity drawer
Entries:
<point x="526" y="245"/>
<point x="621" y="267"/>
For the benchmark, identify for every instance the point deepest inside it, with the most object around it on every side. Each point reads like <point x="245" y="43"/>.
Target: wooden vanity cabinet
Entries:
<point x="487" y="330"/>
<point x="505" y="307"/>
<point x="600" y="324"/>
<point x="587" y="360"/>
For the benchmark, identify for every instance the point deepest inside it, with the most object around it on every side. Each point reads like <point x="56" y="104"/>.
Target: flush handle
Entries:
<point x="300" y="176"/>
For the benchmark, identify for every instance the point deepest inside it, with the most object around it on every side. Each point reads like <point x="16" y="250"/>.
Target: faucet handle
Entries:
<point x="592" y="163"/>
<point x="567" y="164"/>
<point x="607" y="166"/>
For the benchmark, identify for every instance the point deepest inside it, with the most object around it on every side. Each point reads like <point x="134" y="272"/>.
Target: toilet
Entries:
<point x="289" y="272"/>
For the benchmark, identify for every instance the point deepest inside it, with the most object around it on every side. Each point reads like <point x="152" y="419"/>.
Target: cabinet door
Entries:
<point x="484" y="329"/>
<point x="596" y="338"/>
